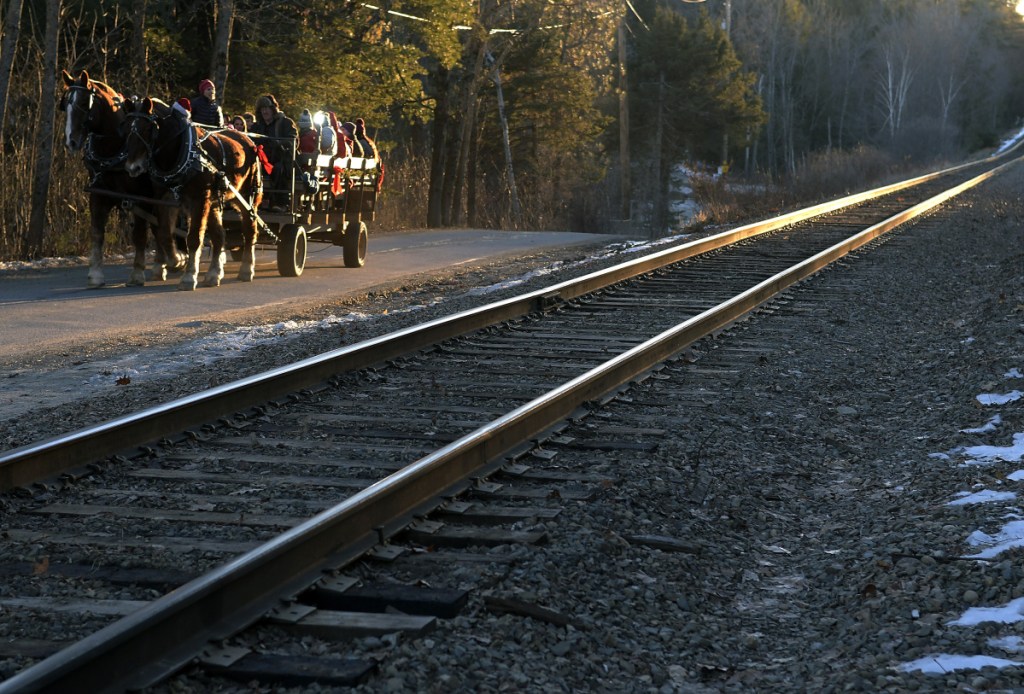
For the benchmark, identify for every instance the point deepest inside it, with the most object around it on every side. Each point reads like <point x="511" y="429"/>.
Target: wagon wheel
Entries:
<point x="354" y="244"/>
<point x="291" y="250"/>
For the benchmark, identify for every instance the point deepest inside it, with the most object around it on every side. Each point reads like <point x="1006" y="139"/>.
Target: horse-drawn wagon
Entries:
<point x="328" y="199"/>
<point x="143" y="155"/>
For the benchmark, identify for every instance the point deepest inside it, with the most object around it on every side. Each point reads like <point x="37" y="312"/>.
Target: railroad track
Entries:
<point x="259" y="497"/>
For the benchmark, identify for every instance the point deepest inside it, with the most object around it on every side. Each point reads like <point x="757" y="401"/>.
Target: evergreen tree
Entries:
<point x="687" y="91"/>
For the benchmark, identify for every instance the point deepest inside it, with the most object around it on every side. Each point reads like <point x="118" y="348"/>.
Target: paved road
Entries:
<point x="53" y="307"/>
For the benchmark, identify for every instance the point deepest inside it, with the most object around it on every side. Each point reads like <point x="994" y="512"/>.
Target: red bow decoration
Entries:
<point x="336" y="181"/>
<point x="268" y="168"/>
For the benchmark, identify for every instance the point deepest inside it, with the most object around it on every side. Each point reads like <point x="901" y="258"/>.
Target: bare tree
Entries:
<point x="513" y="191"/>
<point x="773" y="34"/>
<point x="947" y="41"/>
<point x="44" y="133"/>
<point x="222" y="44"/>
<point x="140" y="54"/>
<point x="894" y="80"/>
<point x="12" y="29"/>
<point x="470" y="99"/>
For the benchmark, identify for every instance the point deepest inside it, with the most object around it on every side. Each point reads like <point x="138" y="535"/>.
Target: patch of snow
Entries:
<point x="1010" y="535"/>
<point x="1009" y="613"/>
<point x="986" y="496"/>
<point x="943" y="663"/>
<point x="1000" y="398"/>
<point x="990" y="425"/>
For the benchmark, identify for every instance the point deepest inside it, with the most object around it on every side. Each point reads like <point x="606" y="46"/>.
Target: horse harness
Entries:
<point x="96" y="164"/>
<point x="192" y="161"/>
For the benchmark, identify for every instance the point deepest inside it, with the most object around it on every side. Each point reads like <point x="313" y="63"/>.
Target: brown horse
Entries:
<point x="94" y="126"/>
<point x="205" y="170"/>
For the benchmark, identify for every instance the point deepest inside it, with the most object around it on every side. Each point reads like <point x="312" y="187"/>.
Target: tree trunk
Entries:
<point x="660" y="185"/>
<point x="517" y="210"/>
<point x="435" y="186"/>
<point x="470" y="97"/>
<point x="472" y="178"/>
<point x="222" y="44"/>
<point x="625" y="182"/>
<point x="12" y="28"/>
<point x="449" y="194"/>
<point x="44" y="134"/>
<point x="139" y="51"/>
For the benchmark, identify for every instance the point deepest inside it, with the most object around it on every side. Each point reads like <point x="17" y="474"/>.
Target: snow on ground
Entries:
<point x="92" y="377"/>
<point x="48" y="263"/>
<point x="1011" y="141"/>
<point x="1005" y="508"/>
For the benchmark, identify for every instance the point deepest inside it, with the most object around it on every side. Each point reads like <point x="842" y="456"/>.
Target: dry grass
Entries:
<point x="67" y="220"/>
<point x="403" y="202"/>
<point x="823" y="176"/>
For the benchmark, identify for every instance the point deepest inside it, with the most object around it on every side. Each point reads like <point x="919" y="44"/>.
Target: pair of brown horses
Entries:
<point x="147" y="152"/>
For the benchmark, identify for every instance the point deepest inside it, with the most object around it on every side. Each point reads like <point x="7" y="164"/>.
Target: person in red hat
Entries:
<point x="182" y="108"/>
<point x="205" y="109"/>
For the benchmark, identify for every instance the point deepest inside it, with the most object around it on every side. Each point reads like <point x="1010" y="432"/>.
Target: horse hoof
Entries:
<point x="212" y="282"/>
<point x="136" y="281"/>
<point x="95" y="285"/>
<point x="186" y="287"/>
<point x="245" y="278"/>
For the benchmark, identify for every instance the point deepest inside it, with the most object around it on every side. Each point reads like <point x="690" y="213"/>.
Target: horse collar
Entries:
<point x="96" y="162"/>
<point x="187" y="161"/>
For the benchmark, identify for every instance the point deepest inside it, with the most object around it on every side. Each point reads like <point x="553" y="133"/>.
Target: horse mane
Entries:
<point x="115" y="97"/>
<point x="104" y="87"/>
<point x="160" y="107"/>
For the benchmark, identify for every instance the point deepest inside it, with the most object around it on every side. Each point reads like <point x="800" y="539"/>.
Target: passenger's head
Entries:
<point x="207" y="89"/>
<point x="360" y="128"/>
<point x="266" y="107"/>
<point x="238" y="123"/>
<point x="349" y="128"/>
<point x="305" y="121"/>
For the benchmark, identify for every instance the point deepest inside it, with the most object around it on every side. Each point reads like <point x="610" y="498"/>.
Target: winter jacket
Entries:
<point x="280" y="126"/>
<point x="206" y="112"/>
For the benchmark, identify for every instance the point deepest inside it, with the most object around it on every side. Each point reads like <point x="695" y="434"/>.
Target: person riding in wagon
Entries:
<point x="205" y="109"/>
<point x="273" y="123"/>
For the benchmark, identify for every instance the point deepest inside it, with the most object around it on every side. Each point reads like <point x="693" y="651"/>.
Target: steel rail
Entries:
<point x="163" y="636"/>
<point x="49" y="458"/>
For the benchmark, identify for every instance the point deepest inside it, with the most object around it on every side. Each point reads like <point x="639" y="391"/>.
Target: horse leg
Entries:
<point x="99" y="211"/>
<point x="159" y="261"/>
<point x="140" y="233"/>
<point x="168" y="258"/>
<point x="247" y="270"/>
<point x="196" y="234"/>
<point x="215" y="273"/>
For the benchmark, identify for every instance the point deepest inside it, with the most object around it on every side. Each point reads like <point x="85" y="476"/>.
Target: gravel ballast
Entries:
<point x="817" y="487"/>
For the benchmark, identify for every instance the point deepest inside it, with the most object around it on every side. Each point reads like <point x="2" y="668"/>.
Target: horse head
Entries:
<point x="140" y="130"/>
<point x="155" y="138"/>
<point x="91" y="107"/>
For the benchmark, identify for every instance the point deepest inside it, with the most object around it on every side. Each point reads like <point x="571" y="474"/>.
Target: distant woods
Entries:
<point x="507" y="114"/>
